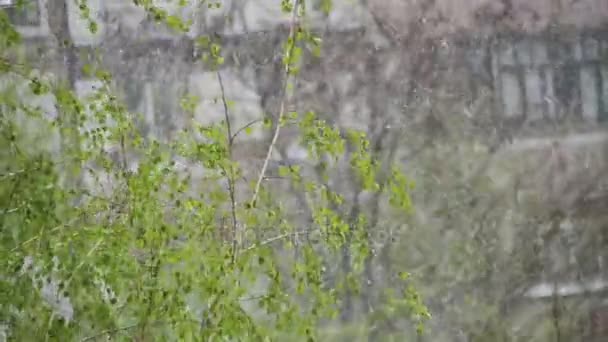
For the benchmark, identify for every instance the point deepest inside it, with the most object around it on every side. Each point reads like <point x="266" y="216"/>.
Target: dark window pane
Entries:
<point x="27" y="15"/>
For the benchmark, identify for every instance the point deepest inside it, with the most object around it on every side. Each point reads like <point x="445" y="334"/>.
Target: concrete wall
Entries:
<point x="535" y="77"/>
<point x="441" y="17"/>
<point x="543" y="79"/>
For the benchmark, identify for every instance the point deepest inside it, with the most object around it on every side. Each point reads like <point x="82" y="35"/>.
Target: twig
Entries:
<point x="274" y="177"/>
<point x="282" y="107"/>
<point x="238" y="131"/>
<point x="48" y="328"/>
<point x="15" y="173"/>
<point x="9" y="211"/>
<point x="129" y="327"/>
<point x="262" y="175"/>
<point x="230" y="173"/>
<point x="275" y="238"/>
<point x="12" y="174"/>
<point x="225" y="103"/>
<point x="91" y="251"/>
<point x="109" y="332"/>
<point x="54" y="229"/>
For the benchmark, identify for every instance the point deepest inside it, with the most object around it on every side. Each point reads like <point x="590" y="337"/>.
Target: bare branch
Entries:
<point x="292" y="30"/>
<point x="274" y="239"/>
<point x="251" y="123"/>
<point x="229" y="173"/>
<point x="225" y="104"/>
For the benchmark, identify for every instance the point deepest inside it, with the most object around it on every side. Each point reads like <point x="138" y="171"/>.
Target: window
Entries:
<point x="552" y="77"/>
<point x="27" y="15"/>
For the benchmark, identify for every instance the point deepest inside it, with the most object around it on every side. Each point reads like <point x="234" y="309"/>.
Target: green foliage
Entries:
<point x="138" y="253"/>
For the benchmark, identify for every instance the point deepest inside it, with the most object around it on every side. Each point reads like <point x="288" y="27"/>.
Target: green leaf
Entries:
<point x="93" y="26"/>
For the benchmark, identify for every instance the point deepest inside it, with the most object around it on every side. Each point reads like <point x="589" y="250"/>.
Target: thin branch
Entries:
<point x="229" y="173"/>
<point x="9" y="211"/>
<point x="225" y="104"/>
<point x="274" y="177"/>
<point x="244" y="128"/>
<point x="54" y="229"/>
<point x="277" y="130"/>
<point x="75" y="270"/>
<point x="15" y="173"/>
<point x="110" y="332"/>
<point x="262" y="175"/>
<point x="274" y="239"/>
<point x="48" y="327"/>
